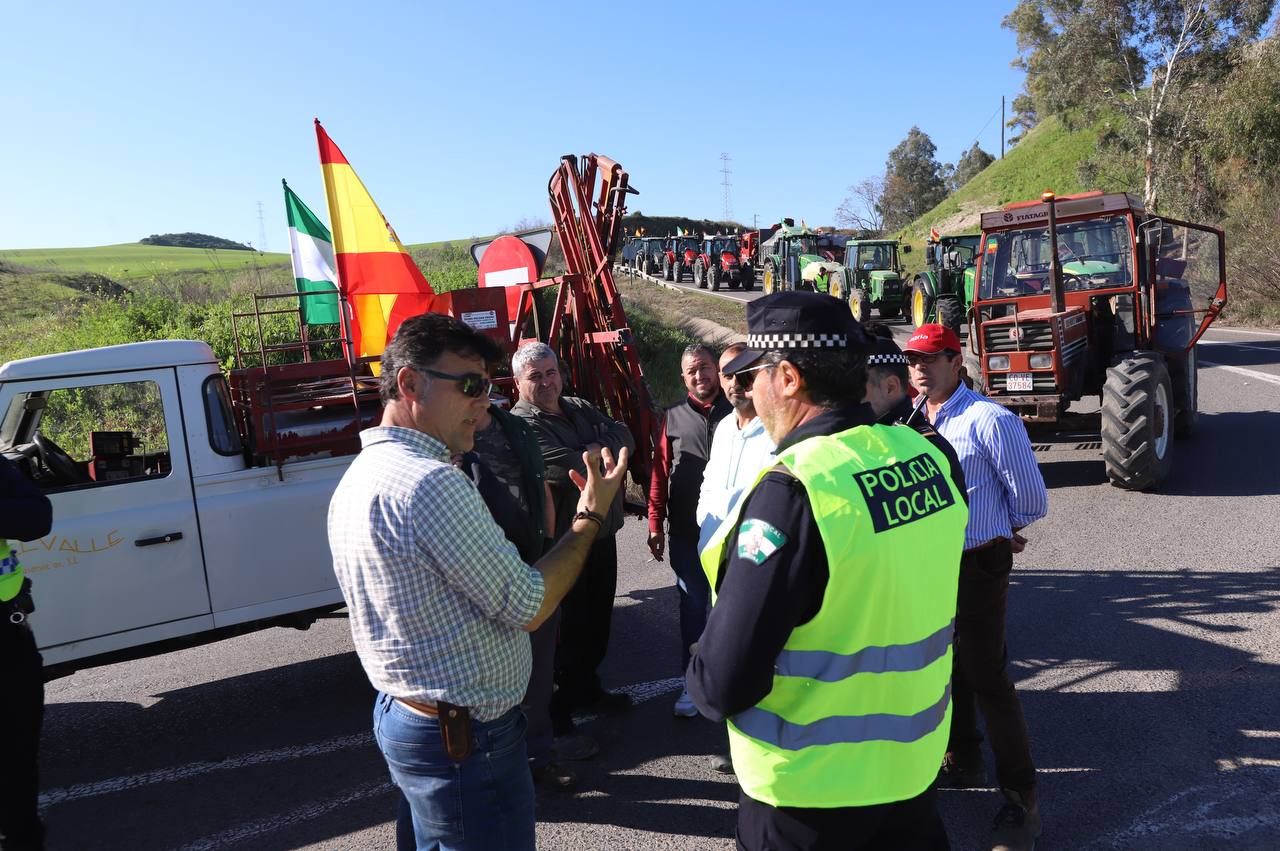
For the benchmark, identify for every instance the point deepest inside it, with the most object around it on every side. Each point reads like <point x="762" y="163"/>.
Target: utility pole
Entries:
<point x="1001" y="126"/>
<point x="755" y="221"/>
<point x="724" y="170"/>
<point x="262" y="230"/>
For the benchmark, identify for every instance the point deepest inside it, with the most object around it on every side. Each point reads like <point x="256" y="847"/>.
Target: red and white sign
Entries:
<point x="508" y="262"/>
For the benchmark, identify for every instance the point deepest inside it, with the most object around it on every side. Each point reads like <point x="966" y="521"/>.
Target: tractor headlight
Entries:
<point x="1042" y="361"/>
<point x="998" y="362"/>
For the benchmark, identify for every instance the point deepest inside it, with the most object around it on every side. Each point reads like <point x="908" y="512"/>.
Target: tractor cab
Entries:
<point x="1088" y="295"/>
<point x="874" y="270"/>
<point x="944" y="290"/>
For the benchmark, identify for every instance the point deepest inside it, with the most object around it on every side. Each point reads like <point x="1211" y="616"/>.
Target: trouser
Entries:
<point x="585" y="616"/>
<point x="21" y="713"/>
<point x="911" y="825"/>
<point x="981" y="672"/>
<point x="542" y="684"/>
<point x="695" y="593"/>
<point x="484" y="802"/>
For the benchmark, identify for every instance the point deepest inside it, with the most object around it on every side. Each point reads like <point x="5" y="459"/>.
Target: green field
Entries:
<point x="135" y="260"/>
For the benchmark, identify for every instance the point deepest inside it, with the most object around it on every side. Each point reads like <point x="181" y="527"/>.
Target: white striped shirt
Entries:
<point x="1006" y="490"/>
<point x="438" y="596"/>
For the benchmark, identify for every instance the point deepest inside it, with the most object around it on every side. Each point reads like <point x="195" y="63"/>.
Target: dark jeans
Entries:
<point x="21" y="712"/>
<point x="912" y="825"/>
<point x="537" y="697"/>
<point x="484" y="802"/>
<point x="585" y="616"/>
<point x="981" y="672"/>
<point x="695" y="593"/>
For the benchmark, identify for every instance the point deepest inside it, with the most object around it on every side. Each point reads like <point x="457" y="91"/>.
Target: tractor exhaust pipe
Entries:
<point x="1055" y="269"/>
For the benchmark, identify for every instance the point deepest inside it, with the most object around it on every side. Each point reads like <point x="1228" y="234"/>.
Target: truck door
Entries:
<point x="124" y="552"/>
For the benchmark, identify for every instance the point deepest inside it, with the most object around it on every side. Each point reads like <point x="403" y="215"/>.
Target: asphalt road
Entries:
<point x="1143" y="632"/>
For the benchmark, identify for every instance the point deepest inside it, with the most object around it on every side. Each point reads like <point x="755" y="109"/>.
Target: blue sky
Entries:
<point x="138" y="118"/>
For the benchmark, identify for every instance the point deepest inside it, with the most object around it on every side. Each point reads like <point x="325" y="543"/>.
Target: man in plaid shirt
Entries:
<point x="441" y="603"/>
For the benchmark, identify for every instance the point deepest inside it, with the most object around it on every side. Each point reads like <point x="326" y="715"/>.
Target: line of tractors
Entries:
<point x="1062" y="298"/>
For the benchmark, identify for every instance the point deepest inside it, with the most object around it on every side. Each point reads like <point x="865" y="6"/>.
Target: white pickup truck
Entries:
<point x="170" y="526"/>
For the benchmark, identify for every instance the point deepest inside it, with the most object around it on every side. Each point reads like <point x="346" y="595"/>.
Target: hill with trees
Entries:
<point x="194" y="240"/>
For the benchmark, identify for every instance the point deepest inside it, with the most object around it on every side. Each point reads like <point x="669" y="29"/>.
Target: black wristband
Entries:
<point x="592" y="516"/>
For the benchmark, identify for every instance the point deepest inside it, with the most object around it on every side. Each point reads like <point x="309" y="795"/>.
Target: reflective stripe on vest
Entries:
<point x="859" y="710"/>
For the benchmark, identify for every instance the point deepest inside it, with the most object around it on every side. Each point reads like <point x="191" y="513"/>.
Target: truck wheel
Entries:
<point x="921" y="303"/>
<point x="859" y="305"/>
<point x="1187" y="419"/>
<point x="1137" y="421"/>
<point x="700" y="276"/>
<point x="713" y="277"/>
<point x="950" y="313"/>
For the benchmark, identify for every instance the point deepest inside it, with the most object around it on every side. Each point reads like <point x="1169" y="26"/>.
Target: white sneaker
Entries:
<point x="684" y="707"/>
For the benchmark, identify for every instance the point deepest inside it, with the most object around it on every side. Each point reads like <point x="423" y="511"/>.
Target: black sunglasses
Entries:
<point x="745" y="377"/>
<point x="471" y="384"/>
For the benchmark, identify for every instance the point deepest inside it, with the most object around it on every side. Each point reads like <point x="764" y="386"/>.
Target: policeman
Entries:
<point x="25" y="514"/>
<point x="828" y="649"/>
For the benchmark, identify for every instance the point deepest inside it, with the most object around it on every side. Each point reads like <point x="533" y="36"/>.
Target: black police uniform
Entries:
<point x="25" y="514"/>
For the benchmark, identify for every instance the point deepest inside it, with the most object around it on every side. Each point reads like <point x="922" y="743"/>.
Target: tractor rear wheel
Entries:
<point x="1137" y="421"/>
<point x="713" y="278"/>
<point x="835" y="285"/>
<point x="1188" y="416"/>
<point x="921" y="303"/>
<point x="748" y="278"/>
<point x="950" y="312"/>
<point x="859" y="305"/>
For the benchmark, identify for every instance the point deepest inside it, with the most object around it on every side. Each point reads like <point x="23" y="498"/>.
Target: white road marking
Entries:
<point x="195" y="769"/>
<point x="272" y="824"/>
<point x="1239" y="370"/>
<point x="1216" y="329"/>
<point x="1261" y="734"/>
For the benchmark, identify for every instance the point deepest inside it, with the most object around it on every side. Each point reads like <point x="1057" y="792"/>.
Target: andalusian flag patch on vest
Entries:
<point x="757" y="540"/>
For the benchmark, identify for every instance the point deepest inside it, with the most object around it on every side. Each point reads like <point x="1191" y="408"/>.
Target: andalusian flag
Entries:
<point x="375" y="272"/>
<point x="311" y="249"/>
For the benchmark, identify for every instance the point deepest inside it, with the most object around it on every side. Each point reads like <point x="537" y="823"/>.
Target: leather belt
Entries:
<point x="988" y="545"/>
<point x="424" y="708"/>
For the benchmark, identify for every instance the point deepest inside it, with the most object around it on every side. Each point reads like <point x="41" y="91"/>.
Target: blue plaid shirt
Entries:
<point x="1006" y="490"/>
<point x="438" y="596"/>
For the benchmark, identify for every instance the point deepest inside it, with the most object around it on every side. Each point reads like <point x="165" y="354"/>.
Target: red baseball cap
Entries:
<point x="933" y="338"/>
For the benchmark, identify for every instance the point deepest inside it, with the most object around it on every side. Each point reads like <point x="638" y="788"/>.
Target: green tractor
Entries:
<point x="874" y="274"/>
<point x="944" y="290"/>
<point x="786" y="258"/>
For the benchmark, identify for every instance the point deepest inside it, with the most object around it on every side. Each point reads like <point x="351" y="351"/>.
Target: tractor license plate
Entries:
<point x="1019" y="382"/>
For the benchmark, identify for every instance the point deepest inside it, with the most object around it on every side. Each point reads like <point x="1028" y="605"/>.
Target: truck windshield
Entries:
<point x="1095" y="254"/>
<point x="875" y="258"/>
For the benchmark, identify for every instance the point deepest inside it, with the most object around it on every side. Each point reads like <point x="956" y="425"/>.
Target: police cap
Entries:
<point x="797" y="321"/>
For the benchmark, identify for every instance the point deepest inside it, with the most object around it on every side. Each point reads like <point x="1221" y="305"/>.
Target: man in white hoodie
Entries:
<point x="740" y="449"/>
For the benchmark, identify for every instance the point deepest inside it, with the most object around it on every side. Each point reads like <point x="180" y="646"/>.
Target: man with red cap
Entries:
<point x="1006" y="494"/>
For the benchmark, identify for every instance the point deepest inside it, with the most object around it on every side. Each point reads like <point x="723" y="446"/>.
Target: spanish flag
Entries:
<point x="375" y="272"/>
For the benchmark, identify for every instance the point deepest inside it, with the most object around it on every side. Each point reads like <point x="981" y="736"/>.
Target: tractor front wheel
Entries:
<point x="860" y="305"/>
<point x="770" y="282"/>
<point x="973" y="369"/>
<point x="950" y="312"/>
<point x="699" y="276"/>
<point x="1137" y="421"/>
<point x="713" y="277"/>
<point x="836" y="287"/>
<point x="666" y="269"/>
<point x="1188" y="416"/>
<point x="921" y="303"/>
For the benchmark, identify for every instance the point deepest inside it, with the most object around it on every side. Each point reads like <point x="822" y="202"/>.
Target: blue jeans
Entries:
<point x="486" y="802"/>
<point x="695" y="593"/>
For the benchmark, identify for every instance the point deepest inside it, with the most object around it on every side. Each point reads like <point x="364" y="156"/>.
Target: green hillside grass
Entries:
<point x="1048" y="157"/>
<point x="134" y="260"/>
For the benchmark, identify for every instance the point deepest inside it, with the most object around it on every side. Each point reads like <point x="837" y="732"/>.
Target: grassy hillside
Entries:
<point x="134" y="260"/>
<point x="1048" y="157"/>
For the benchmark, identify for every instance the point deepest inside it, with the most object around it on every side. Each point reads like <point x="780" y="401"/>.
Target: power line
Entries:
<point x="724" y="170"/>
<point x="999" y="109"/>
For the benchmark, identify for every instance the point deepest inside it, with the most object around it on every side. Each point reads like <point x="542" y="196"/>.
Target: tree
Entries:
<point x="1152" y="59"/>
<point x="861" y="207"/>
<point x="971" y="162"/>
<point x="1024" y="117"/>
<point x="913" y="182"/>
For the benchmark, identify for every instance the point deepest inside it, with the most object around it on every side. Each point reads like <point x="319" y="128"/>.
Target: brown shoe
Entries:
<point x="1017" y="825"/>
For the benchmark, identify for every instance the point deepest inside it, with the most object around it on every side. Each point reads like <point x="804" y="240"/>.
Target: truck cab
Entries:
<point x="167" y="525"/>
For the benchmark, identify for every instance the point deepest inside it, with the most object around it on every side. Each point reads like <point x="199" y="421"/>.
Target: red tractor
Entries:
<point x="678" y="257"/>
<point x="720" y="260"/>
<point x="1089" y="295"/>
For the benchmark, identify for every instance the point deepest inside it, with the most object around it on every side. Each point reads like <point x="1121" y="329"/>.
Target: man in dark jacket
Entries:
<point x="25" y="514"/>
<point x="680" y="457"/>
<point x="565" y="427"/>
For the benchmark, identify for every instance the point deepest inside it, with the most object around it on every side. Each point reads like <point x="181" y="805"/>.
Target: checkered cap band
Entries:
<point x="881" y="360"/>
<point x="770" y="342"/>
